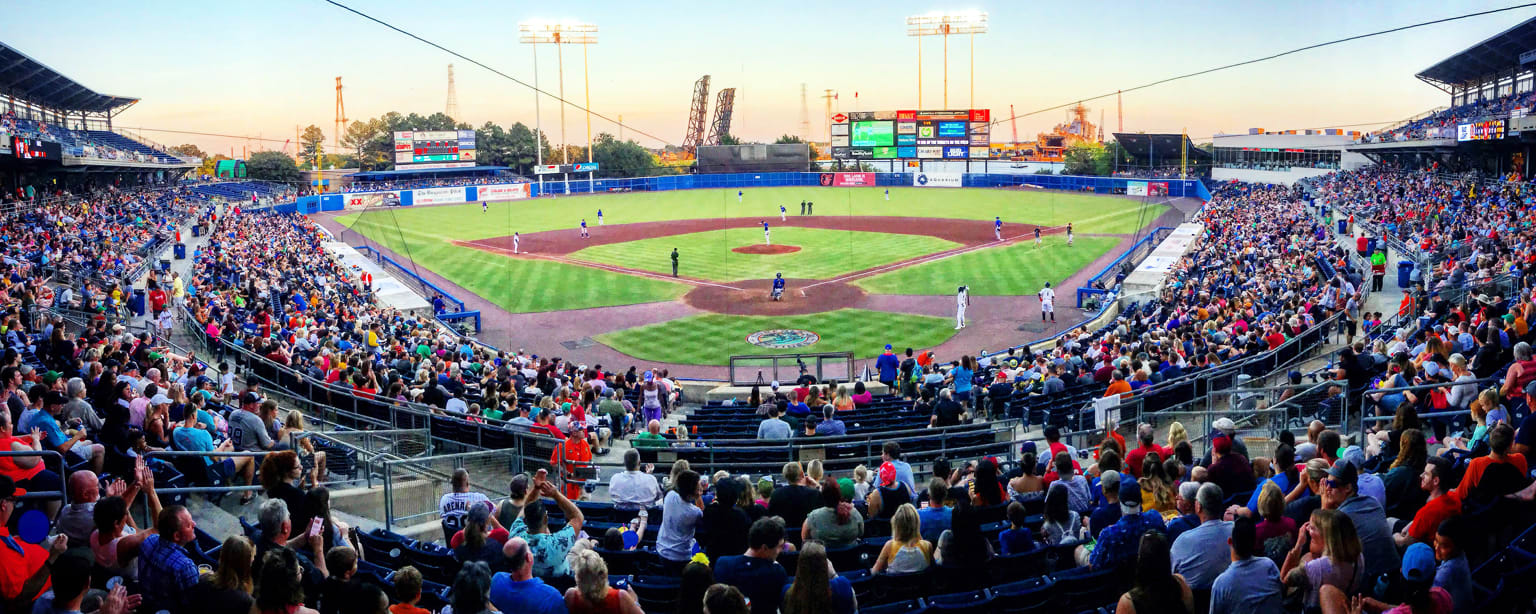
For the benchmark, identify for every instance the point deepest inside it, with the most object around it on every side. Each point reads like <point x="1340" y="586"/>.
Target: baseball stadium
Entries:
<point x="754" y="309"/>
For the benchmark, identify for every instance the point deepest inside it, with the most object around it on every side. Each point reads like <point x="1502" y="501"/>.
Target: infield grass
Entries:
<point x="1020" y="269"/>
<point x="823" y="253"/>
<point x="711" y="339"/>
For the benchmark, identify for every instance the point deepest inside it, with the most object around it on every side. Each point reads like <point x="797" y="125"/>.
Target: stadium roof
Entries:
<point x="1159" y="146"/>
<point x="1499" y="53"/>
<point x="408" y="173"/>
<point x="34" y="82"/>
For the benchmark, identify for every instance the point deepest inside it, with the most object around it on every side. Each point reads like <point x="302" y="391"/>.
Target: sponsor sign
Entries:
<point x="442" y="165"/>
<point x="516" y="191"/>
<point x="861" y="153"/>
<point x="955" y="153"/>
<point x="849" y="180"/>
<point x="839" y="129"/>
<point x="438" y="196"/>
<point x="930" y="152"/>
<point x="547" y="169"/>
<point x="839" y="118"/>
<point x="981" y="153"/>
<point x="783" y="338"/>
<point x="1491" y="130"/>
<point x="1136" y="188"/>
<point x="584" y="167"/>
<point x="839" y="140"/>
<point x="936" y="180"/>
<point x="372" y="199"/>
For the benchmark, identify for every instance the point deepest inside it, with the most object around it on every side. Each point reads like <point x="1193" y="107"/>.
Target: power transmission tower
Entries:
<point x="341" y="115"/>
<point x="696" y="116"/>
<point x="805" y="117"/>
<point x="453" y="97"/>
<point x="721" y="126"/>
<point x="829" y="96"/>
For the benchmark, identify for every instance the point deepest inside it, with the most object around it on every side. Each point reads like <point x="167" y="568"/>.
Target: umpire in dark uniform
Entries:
<point x="674" y="262"/>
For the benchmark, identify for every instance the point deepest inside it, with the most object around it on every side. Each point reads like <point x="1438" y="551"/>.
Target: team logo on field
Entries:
<point x="783" y="338"/>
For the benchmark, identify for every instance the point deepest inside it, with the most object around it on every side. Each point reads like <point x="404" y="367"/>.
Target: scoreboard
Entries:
<point x="427" y="149"/>
<point x="912" y="135"/>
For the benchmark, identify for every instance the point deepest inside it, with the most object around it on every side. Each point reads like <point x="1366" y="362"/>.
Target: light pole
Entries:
<point x="563" y="33"/>
<point x="945" y="24"/>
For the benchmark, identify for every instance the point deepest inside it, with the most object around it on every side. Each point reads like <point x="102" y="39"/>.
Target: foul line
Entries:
<point x="596" y="265"/>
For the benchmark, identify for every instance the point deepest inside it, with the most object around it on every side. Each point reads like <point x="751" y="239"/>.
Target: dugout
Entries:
<point x="786" y="157"/>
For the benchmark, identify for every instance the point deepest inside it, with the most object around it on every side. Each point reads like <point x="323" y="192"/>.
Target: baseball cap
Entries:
<point x="1130" y="490"/>
<point x="887" y="346"/>
<point x="1028" y="446"/>
<point x="55" y="398"/>
<point x="1224" y="424"/>
<point x="8" y="489"/>
<point x="160" y="399"/>
<point x="51" y="377"/>
<point x="250" y="398"/>
<point x="887" y="473"/>
<point x="1419" y="564"/>
<point x="1354" y="455"/>
<point x="1344" y="471"/>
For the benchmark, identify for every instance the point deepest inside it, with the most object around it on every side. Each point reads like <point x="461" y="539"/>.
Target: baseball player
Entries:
<point x="584" y="228"/>
<point x="738" y="196"/>
<point x="515" y="238"/>
<point x="782" y="213"/>
<point x="778" y="287"/>
<point x="962" y="300"/>
<point x="802" y="207"/>
<point x="1069" y="234"/>
<point x="1037" y="236"/>
<point x="599" y="217"/>
<point x="766" y="240"/>
<point x="1048" y="303"/>
<point x="997" y="227"/>
<point x="887" y="193"/>
<point x="485" y="206"/>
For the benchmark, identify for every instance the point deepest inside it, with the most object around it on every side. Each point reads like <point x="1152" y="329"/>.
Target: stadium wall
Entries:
<point x="307" y="205"/>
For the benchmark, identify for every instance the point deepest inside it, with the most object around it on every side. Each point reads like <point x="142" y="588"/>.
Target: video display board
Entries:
<point x="1491" y="130"/>
<point x="427" y="149"/>
<point x="906" y="135"/>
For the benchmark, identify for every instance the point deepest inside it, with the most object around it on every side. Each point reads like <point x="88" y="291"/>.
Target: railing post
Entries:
<point x="389" y="496"/>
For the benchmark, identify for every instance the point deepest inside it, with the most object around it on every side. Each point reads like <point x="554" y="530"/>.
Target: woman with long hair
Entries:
<point x="1402" y="479"/>
<point x="1027" y="482"/>
<point x="471" y="590"/>
<point x="835" y="524"/>
<point x="1062" y="525"/>
<point x="963" y="545"/>
<point x="861" y="395"/>
<point x="843" y="401"/>
<point x="693" y="582"/>
<point x="1157" y="487"/>
<point x="907" y="551"/>
<point x="1176" y="434"/>
<point x="308" y="457"/>
<point x="1274" y="524"/>
<point x="279" y="472"/>
<point x="985" y="489"/>
<point x="279" y="590"/>
<point x="817" y="588"/>
<point x="477" y="545"/>
<point x="592" y="595"/>
<point x="229" y="589"/>
<point x="1156" y="588"/>
<point x="1327" y="552"/>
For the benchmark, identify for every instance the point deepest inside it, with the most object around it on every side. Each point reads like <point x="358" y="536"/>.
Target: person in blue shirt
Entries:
<point x="934" y="519"/>
<point x="997" y="227"/>
<point x="1250" y="583"/>
<point x="757" y="573"/>
<point x="738" y="196"/>
<point x="1118" y="543"/>
<point x="887" y="364"/>
<point x="599" y="217"/>
<point x="1109" y="512"/>
<point x="962" y="374"/>
<point x="778" y="279"/>
<point x="1198" y="553"/>
<point x="1017" y="538"/>
<point x="519" y="591"/>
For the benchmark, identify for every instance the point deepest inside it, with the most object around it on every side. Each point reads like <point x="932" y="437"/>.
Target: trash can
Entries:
<point x="1343" y="226"/>
<point x="165" y="265"/>
<point x="136" y="302"/>
<point x="181" y="251"/>
<point x="1371" y="245"/>
<point x="197" y="230"/>
<point x="1404" y="273"/>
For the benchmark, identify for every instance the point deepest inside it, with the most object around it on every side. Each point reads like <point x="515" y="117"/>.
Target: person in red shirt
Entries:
<point x="569" y="455"/>
<point x="1500" y="438"/>
<point x="1442" y="504"/>
<point x="24" y="567"/>
<point x="1144" y="436"/>
<point x="1118" y="386"/>
<point x="157" y="299"/>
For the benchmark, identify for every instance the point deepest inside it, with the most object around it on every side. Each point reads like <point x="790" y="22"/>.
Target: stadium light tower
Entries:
<point x="969" y="23"/>
<point x="565" y="32"/>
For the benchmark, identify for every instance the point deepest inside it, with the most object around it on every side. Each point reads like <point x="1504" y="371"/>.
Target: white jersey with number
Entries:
<point x="1047" y="299"/>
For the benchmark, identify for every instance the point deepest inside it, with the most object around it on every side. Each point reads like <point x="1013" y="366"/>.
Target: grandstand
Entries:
<point x="1325" y="394"/>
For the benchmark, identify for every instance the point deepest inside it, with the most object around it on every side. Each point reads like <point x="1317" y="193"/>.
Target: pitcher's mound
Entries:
<point x="766" y="249"/>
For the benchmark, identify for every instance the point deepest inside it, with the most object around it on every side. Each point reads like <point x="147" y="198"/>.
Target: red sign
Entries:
<point x="906" y="115"/>
<point x="981" y="115"/>
<point x="854" y="180"/>
<point x="839" y="118"/>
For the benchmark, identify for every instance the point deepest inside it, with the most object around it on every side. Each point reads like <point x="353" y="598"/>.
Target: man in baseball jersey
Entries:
<point x="887" y="193"/>
<point x="962" y="300"/>
<point x="485" y="206"/>
<point x="584" y="228"/>
<point x="738" y="196"/>
<point x="1037" y="236"/>
<point x="674" y="262"/>
<point x="1048" y="303"/>
<point x="766" y="240"/>
<point x="599" y="217"/>
<point x="1069" y="234"/>
<point x="783" y="212"/>
<point x="515" y="238"/>
<point x="997" y="227"/>
<point x="802" y="207"/>
<point x="778" y="286"/>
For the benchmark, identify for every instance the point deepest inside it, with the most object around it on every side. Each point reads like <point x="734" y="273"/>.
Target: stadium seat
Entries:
<point x="1083" y="587"/>
<point x="969" y="602"/>
<point x="911" y="606"/>
<point x="656" y="593"/>
<point x="1031" y="596"/>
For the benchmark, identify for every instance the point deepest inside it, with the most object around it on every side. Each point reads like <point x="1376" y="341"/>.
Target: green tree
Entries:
<point x="617" y="158"/>
<point x="208" y="163"/>
<point x="729" y="139"/>
<point x="189" y="150"/>
<point x="1085" y="159"/>
<point x="360" y="138"/>
<point x="309" y="141"/>
<point x="272" y="166"/>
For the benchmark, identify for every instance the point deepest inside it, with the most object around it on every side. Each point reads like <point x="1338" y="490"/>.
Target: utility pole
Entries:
<point x="341" y="114"/>
<point x="452" y="107"/>
<point x="943" y="25"/>
<point x="565" y="33"/>
<point x="805" y="117"/>
<point x="829" y="96"/>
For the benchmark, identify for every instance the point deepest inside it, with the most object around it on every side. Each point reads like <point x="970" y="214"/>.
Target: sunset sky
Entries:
<point x="260" y="68"/>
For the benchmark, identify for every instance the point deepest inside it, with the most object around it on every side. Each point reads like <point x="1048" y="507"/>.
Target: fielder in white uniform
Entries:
<point x="514" y="242"/>
<point x="1048" y="303"/>
<point x="782" y="213"/>
<point x="962" y="300"/>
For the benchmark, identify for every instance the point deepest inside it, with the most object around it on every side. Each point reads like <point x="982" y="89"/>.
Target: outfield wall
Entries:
<point x="1192" y="188"/>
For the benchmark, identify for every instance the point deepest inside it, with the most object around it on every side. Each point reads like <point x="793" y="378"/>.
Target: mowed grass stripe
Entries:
<point x="711" y="339"/>
<point x="1090" y="213"/>
<point x="1014" y="270"/>
<point x="823" y="253"/>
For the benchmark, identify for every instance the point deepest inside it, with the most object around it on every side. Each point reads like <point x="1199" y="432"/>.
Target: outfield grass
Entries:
<point x="711" y="339"/>
<point x="1088" y="213"/>
<point x="1020" y="269"/>
<point x="823" y="253"/>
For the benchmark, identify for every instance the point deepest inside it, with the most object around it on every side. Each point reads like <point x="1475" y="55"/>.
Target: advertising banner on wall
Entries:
<point x="372" y="199"/>
<point x="1135" y="188"/>
<point x="936" y="180"/>
<point x="516" y="191"/>
<point x="438" y="196"/>
<point x="854" y="180"/>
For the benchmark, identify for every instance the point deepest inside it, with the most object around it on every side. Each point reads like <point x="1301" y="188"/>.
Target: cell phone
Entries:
<point x="314" y="527"/>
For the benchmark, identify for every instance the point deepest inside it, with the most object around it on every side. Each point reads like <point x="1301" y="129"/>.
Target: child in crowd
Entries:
<point x="860" y="483"/>
<point x="1017" y="538"/>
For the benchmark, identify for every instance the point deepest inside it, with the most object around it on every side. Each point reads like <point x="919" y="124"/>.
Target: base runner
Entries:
<point x="962" y="300"/>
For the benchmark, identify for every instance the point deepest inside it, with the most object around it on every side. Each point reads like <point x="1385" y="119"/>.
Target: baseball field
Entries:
<point x="862" y="268"/>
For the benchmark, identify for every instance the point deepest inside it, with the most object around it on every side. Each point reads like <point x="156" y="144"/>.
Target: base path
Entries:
<point x="564" y="242"/>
